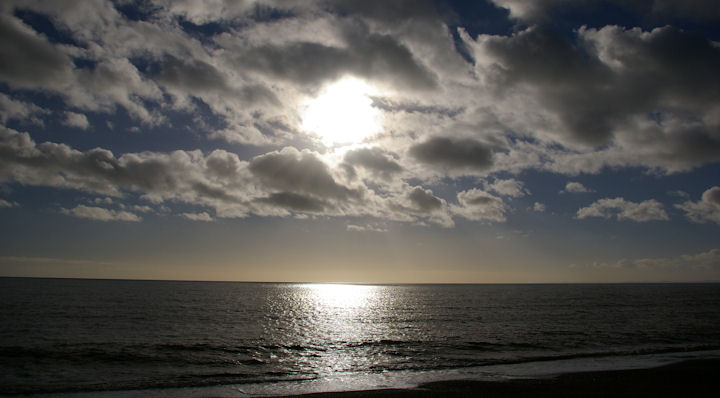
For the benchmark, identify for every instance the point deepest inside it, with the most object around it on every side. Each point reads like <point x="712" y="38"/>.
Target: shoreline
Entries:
<point x="693" y="377"/>
<point x="697" y="377"/>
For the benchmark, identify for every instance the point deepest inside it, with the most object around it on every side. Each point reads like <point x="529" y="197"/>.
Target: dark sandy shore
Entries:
<point x="699" y="378"/>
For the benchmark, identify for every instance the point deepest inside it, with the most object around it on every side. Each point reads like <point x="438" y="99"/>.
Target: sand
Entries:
<point x="700" y="378"/>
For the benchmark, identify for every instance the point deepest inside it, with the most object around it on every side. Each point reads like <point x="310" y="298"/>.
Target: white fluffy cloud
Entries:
<point x="478" y="107"/>
<point x="479" y="205"/>
<point x="709" y="260"/>
<point x="575" y="187"/>
<point x="203" y="216"/>
<point x="365" y="228"/>
<point x="101" y="214"/>
<point x="278" y="183"/>
<point x="707" y="209"/>
<point x="77" y="120"/>
<point x="541" y="10"/>
<point x="22" y="111"/>
<point x="584" y="94"/>
<point x="648" y="210"/>
<point x="510" y="187"/>
<point x="446" y="113"/>
<point x="7" y="204"/>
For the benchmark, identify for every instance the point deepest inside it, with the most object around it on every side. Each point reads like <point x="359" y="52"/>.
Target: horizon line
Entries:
<point x="367" y="283"/>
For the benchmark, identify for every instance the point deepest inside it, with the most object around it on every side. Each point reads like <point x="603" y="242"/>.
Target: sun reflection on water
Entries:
<point x="334" y="321"/>
<point x="342" y="296"/>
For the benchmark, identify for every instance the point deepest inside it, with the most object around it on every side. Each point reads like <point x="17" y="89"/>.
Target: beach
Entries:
<point x="697" y="378"/>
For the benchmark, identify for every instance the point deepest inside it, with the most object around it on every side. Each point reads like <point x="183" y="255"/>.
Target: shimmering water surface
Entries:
<point x="62" y="336"/>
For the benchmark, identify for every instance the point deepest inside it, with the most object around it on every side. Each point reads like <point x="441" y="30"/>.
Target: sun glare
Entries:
<point x="343" y="113"/>
<point x="342" y="295"/>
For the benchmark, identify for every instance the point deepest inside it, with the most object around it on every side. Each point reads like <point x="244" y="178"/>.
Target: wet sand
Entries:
<point x="699" y="378"/>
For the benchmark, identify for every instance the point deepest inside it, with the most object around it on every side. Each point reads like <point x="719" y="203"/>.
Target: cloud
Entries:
<point x="613" y="96"/>
<point x="203" y="216"/>
<point x="423" y="200"/>
<point x="28" y="59"/>
<point x="699" y="10"/>
<point x="606" y="96"/>
<point x="539" y="207"/>
<point x="195" y="76"/>
<point x="479" y="205"/>
<point x="365" y="228"/>
<point x="453" y="153"/>
<point x="6" y="204"/>
<point x="415" y="203"/>
<point x="375" y="160"/>
<point x="295" y="202"/>
<point x="100" y="214"/>
<point x="679" y="194"/>
<point x="575" y="187"/>
<point x="278" y="183"/>
<point x="707" y="209"/>
<point x="709" y="260"/>
<point x="510" y="187"/>
<point x="648" y="210"/>
<point x="365" y="54"/>
<point x="299" y="171"/>
<point x="218" y="180"/>
<point x="77" y="120"/>
<point x="21" y="111"/>
<point x="539" y="99"/>
<point x="706" y="260"/>
<point x="659" y="10"/>
<point x="528" y="9"/>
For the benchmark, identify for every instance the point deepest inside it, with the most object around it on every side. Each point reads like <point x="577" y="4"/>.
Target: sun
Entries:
<point x="342" y="113"/>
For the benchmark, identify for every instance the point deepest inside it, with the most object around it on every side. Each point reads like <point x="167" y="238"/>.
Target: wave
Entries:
<point x="199" y="354"/>
<point x="273" y="374"/>
<point x="182" y="381"/>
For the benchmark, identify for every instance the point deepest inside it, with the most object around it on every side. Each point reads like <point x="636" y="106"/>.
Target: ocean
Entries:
<point x="120" y="338"/>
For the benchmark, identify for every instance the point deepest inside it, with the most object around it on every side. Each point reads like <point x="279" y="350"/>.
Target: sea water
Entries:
<point x="117" y="338"/>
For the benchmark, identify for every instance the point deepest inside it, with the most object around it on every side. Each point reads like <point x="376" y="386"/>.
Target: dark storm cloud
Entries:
<point x="368" y="55"/>
<point x="423" y="200"/>
<point x="300" y="172"/>
<point x="27" y="59"/>
<point x="295" y="202"/>
<point x="375" y="160"/>
<point x="454" y="153"/>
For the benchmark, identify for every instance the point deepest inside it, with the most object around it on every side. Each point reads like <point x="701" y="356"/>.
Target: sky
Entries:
<point x="361" y="141"/>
